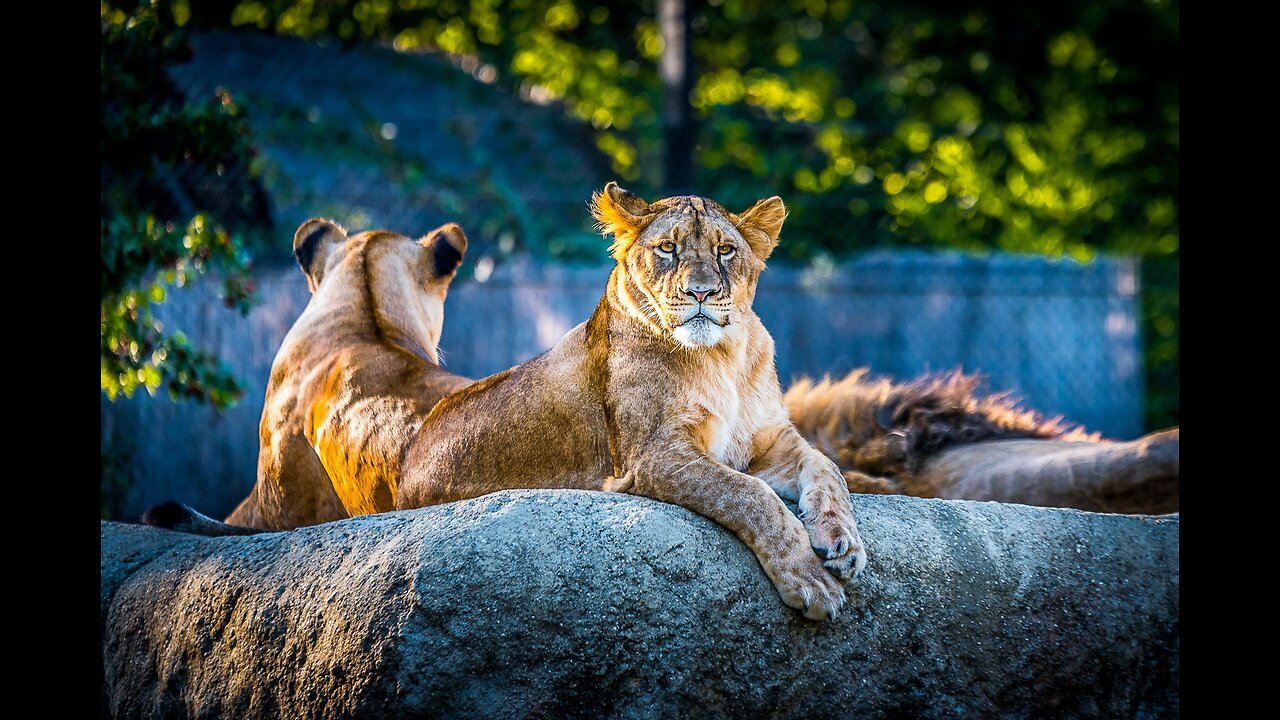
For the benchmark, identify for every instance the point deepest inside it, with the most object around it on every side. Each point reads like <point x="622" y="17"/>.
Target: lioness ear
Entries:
<point x="446" y="246"/>
<point x="312" y="244"/>
<point x="761" y="224"/>
<point x="621" y="214"/>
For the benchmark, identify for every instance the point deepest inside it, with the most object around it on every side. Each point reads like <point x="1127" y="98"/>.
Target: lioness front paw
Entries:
<point x="834" y="536"/>
<point x="809" y="588"/>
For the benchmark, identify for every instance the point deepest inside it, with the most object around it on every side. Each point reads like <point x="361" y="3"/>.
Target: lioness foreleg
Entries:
<point x="752" y="511"/>
<point x="798" y="472"/>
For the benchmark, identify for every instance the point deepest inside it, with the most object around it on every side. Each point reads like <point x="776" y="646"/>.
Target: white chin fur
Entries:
<point x="698" y="333"/>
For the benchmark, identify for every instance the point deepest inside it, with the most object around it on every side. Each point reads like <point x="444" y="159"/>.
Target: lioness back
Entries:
<point x="558" y="432"/>
<point x="354" y="376"/>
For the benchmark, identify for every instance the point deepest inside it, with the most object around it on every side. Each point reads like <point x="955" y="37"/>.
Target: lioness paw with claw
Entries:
<point x="804" y="584"/>
<point x="833" y="533"/>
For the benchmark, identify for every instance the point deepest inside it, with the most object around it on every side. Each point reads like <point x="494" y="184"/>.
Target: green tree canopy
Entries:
<point x="1050" y="129"/>
<point x="173" y="174"/>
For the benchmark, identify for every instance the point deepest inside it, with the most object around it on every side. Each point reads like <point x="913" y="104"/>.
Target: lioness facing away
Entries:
<point x="353" y="378"/>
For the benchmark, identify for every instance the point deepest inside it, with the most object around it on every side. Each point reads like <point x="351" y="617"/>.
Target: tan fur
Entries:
<point x="630" y="402"/>
<point x="354" y="376"/>
<point x="938" y="437"/>
<point x="1138" y="476"/>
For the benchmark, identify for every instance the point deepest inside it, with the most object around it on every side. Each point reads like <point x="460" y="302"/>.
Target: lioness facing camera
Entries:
<point x="670" y="391"/>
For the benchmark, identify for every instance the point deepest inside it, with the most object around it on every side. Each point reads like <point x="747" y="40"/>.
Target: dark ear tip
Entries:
<point x="451" y="233"/>
<point x="309" y="229"/>
<point x="446" y="256"/>
<point x="613" y="190"/>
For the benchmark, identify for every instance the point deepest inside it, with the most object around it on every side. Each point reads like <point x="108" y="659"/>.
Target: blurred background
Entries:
<point x="990" y="187"/>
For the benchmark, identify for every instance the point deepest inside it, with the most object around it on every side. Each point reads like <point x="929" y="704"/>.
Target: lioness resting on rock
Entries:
<point x="937" y="436"/>
<point x="668" y="391"/>
<point x="353" y="379"/>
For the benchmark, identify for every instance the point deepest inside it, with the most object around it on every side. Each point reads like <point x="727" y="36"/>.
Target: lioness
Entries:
<point x="937" y="436"/>
<point x="353" y="379"/>
<point x="669" y="390"/>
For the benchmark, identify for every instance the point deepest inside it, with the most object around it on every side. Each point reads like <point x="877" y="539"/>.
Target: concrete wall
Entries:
<point x="1063" y="336"/>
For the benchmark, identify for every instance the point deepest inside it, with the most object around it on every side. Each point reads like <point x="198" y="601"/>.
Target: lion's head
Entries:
<point x="396" y="283"/>
<point x="689" y="265"/>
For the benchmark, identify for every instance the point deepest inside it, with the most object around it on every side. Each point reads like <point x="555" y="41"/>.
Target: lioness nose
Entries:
<point x="701" y="293"/>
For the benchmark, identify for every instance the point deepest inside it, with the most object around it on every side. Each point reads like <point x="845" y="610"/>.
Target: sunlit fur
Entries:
<point x="653" y="284"/>
<point x="356" y="380"/>
<point x="354" y="375"/>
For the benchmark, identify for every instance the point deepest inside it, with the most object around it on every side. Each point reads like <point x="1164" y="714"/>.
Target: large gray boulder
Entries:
<point x="583" y="604"/>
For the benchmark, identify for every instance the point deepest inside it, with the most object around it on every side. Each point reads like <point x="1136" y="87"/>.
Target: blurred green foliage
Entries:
<point x="1040" y="128"/>
<point x="115" y="461"/>
<point x="152" y="143"/>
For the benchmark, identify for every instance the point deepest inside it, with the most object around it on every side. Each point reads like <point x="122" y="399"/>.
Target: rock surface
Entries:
<point x="583" y="604"/>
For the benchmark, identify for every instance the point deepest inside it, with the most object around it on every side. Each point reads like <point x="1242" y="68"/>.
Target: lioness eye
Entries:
<point x="726" y="249"/>
<point x="667" y="247"/>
